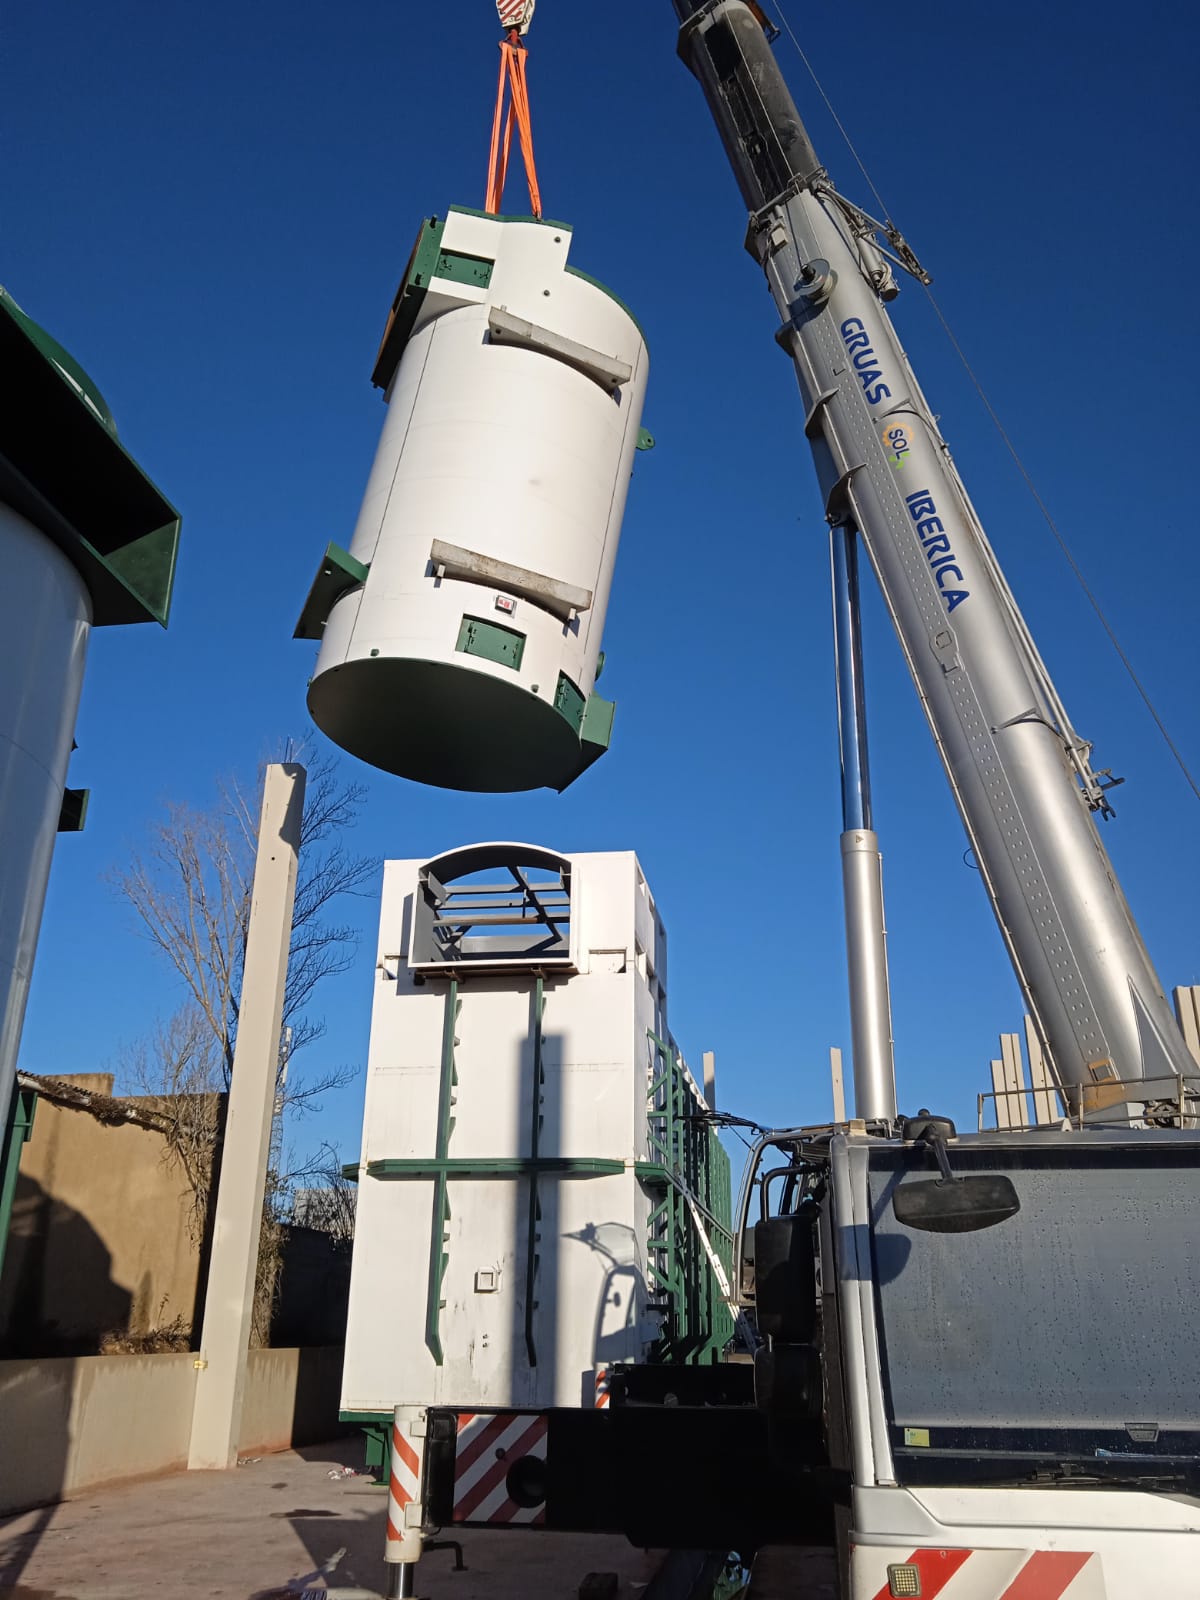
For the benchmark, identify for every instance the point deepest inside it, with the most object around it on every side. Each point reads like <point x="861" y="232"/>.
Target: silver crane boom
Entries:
<point x="1020" y="774"/>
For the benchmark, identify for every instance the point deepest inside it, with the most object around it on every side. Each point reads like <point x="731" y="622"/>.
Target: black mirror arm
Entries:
<point x="938" y="1146"/>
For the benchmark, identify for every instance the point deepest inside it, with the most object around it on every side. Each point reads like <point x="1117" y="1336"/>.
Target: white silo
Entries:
<point x="461" y="629"/>
<point x="85" y="540"/>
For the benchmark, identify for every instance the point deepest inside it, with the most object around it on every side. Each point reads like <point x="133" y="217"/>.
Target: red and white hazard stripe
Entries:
<point x="404" y="1485"/>
<point x="515" y="13"/>
<point x="489" y="1445"/>
<point x="603" y="1385"/>
<point x="977" y="1574"/>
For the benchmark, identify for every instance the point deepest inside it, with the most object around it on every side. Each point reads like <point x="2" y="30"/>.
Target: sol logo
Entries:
<point x="895" y="444"/>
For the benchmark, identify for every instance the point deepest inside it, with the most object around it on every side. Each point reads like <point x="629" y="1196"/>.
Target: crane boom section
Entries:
<point x="1019" y="774"/>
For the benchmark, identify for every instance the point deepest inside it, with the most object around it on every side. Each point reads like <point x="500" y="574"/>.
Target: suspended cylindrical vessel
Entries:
<point x="85" y="540"/>
<point x="461" y="631"/>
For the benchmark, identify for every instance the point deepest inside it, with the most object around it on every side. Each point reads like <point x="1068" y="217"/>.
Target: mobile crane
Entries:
<point x="973" y="1352"/>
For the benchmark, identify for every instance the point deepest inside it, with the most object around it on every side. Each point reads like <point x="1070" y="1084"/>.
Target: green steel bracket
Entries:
<point x="535" y="1139"/>
<point x="377" y="1426"/>
<point x="645" y="439"/>
<point x="438" y="1255"/>
<point x="338" y="573"/>
<point x="495" y="1167"/>
<point x="458" y="267"/>
<point x="72" y="813"/>
<point x="414" y="286"/>
<point x="595" y="733"/>
<point x="18" y="1128"/>
<point x="63" y="467"/>
<point x="569" y="702"/>
<point x="652" y="1172"/>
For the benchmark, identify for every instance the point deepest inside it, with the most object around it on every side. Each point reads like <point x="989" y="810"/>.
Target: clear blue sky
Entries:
<point x="211" y="205"/>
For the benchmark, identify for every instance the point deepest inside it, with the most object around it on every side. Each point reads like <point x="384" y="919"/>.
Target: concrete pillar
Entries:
<point x="710" y="1079"/>
<point x="229" y="1301"/>
<point x="1045" y="1093"/>
<point x="837" y="1078"/>
<point x="1187" y="1009"/>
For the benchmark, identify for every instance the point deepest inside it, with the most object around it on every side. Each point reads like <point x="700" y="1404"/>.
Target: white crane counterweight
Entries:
<point x="1020" y="774"/>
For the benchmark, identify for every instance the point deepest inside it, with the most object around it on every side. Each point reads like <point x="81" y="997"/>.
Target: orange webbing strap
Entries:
<point x="513" y="58"/>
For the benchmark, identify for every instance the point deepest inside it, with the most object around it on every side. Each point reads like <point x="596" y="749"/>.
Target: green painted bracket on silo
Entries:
<point x="17" y="1131"/>
<point x="72" y="814"/>
<point x="338" y="573"/>
<point x="63" y="468"/>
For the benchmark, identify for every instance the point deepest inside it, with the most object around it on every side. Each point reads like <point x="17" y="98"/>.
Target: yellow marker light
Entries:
<point x="904" y="1579"/>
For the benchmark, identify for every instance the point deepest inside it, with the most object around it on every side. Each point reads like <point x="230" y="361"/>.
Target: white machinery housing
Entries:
<point x="523" y="1098"/>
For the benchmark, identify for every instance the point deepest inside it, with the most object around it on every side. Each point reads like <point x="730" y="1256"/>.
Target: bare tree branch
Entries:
<point x="191" y="889"/>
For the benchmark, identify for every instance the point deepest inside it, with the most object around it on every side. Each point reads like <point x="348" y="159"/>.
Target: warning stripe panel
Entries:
<point x="488" y="1446"/>
<point x="1047" y="1575"/>
<point x="474" y="1441"/>
<point x="404" y="1452"/>
<point x="498" y="1447"/>
<point x="936" y="1567"/>
<point x="498" y="1471"/>
<point x="404" y="1481"/>
<point x="514" y="13"/>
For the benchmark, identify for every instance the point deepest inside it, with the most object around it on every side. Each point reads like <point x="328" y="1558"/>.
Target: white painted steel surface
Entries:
<point x="519" y="453"/>
<point x="591" y="1285"/>
<point x="43" y="649"/>
<point x="866" y="959"/>
<point x="1125" y="1542"/>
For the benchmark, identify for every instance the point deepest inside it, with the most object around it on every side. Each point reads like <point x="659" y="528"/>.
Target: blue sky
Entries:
<point x="210" y="206"/>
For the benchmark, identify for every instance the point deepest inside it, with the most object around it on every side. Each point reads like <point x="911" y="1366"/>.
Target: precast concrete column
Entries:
<point x="229" y="1300"/>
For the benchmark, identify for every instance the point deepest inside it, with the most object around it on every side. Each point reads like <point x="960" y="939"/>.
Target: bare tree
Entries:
<point x="328" y="1199"/>
<point x="191" y="891"/>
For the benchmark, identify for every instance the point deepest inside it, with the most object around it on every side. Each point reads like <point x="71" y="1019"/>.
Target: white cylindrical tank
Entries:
<point x="460" y="634"/>
<point x="43" y="648"/>
<point x="86" y="541"/>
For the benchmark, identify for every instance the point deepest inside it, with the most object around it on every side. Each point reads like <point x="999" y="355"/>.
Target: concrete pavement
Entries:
<point x="269" y="1529"/>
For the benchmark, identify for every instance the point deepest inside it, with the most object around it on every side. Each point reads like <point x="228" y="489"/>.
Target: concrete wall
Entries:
<point x="72" y="1424"/>
<point x="100" y="1238"/>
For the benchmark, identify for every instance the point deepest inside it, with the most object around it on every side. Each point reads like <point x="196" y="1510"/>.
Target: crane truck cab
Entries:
<point x="1005" y="1328"/>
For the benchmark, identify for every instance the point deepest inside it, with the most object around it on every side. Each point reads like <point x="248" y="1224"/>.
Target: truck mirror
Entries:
<point x="955" y="1205"/>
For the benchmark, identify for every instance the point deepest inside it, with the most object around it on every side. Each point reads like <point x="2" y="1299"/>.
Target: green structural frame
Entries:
<point x="698" y="1323"/>
<point x="534" y="1213"/>
<point x="17" y="1131"/>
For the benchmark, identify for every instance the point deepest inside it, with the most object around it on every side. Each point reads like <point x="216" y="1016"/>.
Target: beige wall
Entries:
<point x="72" y="1424"/>
<point x="100" y="1235"/>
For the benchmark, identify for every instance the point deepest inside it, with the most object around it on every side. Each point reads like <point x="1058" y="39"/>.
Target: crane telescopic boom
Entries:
<point x="1020" y="774"/>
